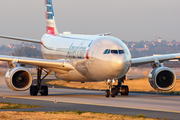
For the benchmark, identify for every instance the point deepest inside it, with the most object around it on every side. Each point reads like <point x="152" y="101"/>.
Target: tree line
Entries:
<point x="27" y="52"/>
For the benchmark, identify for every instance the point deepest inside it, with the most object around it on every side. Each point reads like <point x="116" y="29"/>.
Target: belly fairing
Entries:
<point x="73" y="75"/>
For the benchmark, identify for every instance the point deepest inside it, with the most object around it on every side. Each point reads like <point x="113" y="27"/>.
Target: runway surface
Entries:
<point x="151" y="105"/>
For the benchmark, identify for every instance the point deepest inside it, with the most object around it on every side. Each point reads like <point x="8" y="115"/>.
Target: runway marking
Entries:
<point x="96" y="104"/>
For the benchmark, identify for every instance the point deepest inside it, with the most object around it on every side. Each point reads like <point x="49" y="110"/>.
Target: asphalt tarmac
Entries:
<point x="151" y="105"/>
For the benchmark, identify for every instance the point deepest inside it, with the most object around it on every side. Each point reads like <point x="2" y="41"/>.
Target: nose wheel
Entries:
<point x="107" y="93"/>
<point x="115" y="89"/>
<point x="110" y="92"/>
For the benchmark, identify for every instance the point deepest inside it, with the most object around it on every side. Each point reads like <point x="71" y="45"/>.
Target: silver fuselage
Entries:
<point x="86" y="54"/>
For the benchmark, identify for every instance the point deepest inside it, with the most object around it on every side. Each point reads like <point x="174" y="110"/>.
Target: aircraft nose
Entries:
<point x="117" y="62"/>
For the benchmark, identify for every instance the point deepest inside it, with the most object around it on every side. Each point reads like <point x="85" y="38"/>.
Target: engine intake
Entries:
<point x="162" y="78"/>
<point x="18" y="79"/>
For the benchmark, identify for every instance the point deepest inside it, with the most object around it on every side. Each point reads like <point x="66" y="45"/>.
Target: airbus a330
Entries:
<point x="83" y="58"/>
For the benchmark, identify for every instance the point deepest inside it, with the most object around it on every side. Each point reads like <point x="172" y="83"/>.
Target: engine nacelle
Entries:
<point x="162" y="78"/>
<point x="18" y="79"/>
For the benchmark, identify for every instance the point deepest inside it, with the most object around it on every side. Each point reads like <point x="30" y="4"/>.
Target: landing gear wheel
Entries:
<point x="113" y="92"/>
<point x="33" y="90"/>
<point x="107" y="92"/>
<point x="124" y="90"/>
<point x="116" y="90"/>
<point x="44" y="90"/>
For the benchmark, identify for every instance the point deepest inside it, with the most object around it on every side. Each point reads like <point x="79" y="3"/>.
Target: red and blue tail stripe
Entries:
<point x="50" y="20"/>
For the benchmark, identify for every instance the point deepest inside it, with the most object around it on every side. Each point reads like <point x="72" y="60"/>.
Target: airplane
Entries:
<point x="83" y="58"/>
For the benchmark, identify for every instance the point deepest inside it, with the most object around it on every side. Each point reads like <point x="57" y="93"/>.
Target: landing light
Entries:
<point x="119" y="62"/>
<point x="113" y="81"/>
<point x="108" y="80"/>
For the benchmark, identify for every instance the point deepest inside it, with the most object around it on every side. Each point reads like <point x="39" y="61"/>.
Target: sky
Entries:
<point x="130" y="20"/>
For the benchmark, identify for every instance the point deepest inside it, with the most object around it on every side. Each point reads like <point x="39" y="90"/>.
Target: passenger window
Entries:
<point x="121" y="51"/>
<point x="114" y="51"/>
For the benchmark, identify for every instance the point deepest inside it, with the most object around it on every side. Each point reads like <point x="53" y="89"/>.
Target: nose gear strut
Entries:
<point x="111" y="90"/>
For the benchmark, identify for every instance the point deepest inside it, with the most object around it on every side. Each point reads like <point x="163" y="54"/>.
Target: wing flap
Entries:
<point x="151" y="59"/>
<point x="20" y="39"/>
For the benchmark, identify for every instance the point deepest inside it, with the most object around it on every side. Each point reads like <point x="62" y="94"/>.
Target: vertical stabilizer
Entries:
<point x="50" y="20"/>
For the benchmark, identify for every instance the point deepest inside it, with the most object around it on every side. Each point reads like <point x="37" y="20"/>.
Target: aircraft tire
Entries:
<point x="113" y="92"/>
<point x="33" y="90"/>
<point x="44" y="90"/>
<point x="116" y="90"/>
<point x="124" y="90"/>
<point x="107" y="92"/>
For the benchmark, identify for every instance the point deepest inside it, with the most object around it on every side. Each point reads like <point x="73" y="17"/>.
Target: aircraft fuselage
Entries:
<point x="95" y="58"/>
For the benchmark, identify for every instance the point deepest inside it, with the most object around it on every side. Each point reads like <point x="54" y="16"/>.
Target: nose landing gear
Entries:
<point x="111" y="91"/>
<point x="115" y="89"/>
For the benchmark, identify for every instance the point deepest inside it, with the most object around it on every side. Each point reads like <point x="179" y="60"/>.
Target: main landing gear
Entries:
<point x="115" y="89"/>
<point x="43" y="89"/>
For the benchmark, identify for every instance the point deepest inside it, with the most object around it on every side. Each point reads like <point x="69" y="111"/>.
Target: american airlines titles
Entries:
<point x="76" y="51"/>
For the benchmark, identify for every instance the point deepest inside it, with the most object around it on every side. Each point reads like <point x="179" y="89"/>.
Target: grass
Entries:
<point x="171" y="92"/>
<point x="64" y="115"/>
<point x="4" y="105"/>
<point x="140" y="116"/>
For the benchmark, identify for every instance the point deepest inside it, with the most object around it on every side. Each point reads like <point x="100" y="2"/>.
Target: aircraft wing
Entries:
<point x="61" y="64"/>
<point x="20" y="39"/>
<point x="151" y="59"/>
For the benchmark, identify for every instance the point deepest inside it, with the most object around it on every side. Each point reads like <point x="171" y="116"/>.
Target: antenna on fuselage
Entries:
<point x="105" y="34"/>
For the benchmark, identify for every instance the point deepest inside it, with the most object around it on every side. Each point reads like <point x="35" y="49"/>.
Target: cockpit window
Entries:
<point x="114" y="51"/>
<point x="121" y="51"/>
<point x="107" y="51"/>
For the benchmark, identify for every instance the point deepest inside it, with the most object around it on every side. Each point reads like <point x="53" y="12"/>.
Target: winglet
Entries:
<point x="50" y="19"/>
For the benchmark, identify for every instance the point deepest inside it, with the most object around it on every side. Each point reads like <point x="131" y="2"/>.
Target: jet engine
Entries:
<point x="18" y="79"/>
<point x="162" y="78"/>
